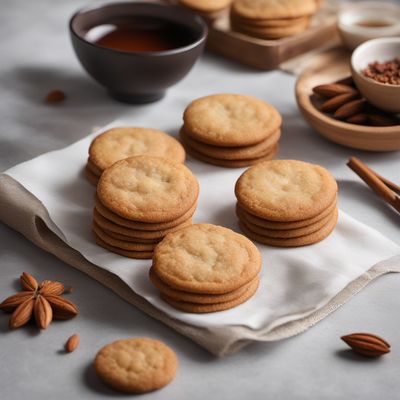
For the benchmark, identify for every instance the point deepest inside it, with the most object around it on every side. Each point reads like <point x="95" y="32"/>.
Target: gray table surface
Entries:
<point x="36" y="57"/>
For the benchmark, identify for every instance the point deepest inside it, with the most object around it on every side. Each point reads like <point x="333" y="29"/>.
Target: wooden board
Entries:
<point x="329" y="67"/>
<point x="269" y="54"/>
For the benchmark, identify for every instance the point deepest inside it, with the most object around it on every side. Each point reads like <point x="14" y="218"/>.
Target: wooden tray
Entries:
<point x="269" y="54"/>
<point x="328" y="67"/>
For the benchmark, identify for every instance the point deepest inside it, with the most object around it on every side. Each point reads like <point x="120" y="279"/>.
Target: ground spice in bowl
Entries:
<point x="387" y="72"/>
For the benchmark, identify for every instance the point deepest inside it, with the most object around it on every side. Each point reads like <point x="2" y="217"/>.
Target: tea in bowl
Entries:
<point x="137" y="50"/>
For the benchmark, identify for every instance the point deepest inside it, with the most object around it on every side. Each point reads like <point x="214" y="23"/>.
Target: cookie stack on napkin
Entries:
<point x="287" y="203"/>
<point x="205" y="268"/>
<point x="231" y="130"/>
<point x="119" y="143"/>
<point x="272" y="19"/>
<point x="139" y="201"/>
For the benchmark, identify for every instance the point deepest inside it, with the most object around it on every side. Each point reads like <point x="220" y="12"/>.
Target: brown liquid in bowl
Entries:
<point x="143" y="34"/>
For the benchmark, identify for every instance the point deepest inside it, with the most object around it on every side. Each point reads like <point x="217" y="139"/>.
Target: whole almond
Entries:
<point x="360" y="119"/>
<point x="51" y="288"/>
<point x="12" y="302"/>
<point x="367" y="344"/>
<point x="335" y="102"/>
<point x="72" y="343"/>
<point x="381" y="120"/>
<point x="22" y="314"/>
<point x="43" y="312"/>
<point x="62" y="308"/>
<point x="333" y="89"/>
<point x="28" y="282"/>
<point x="55" y="96"/>
<point x="349" y="109"/>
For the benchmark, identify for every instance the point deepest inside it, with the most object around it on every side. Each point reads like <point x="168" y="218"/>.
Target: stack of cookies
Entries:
<point x="231" y="130"/>
<point x="119" y="143"/>
<point x="205" y="268"/>
<point x="209" y="9"/>
<point x="287" y="203"/>
<point x="272" y="19"/>
<point x="139" y="201"/>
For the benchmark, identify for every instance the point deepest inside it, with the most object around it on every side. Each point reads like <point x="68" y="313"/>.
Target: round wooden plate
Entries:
<point x="329" y="67"/>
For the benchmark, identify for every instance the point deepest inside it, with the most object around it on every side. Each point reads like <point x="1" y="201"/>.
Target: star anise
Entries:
<point x="42" y="301"/>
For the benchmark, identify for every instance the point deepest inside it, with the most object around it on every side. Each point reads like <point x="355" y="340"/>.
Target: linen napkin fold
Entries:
<point x="49" y="201"/>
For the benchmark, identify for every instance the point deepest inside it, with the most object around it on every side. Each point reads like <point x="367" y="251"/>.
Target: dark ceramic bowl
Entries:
<point x="137" y="77"/>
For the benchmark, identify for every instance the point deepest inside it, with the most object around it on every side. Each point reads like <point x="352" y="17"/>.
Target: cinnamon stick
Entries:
<point x="381" y="186"/>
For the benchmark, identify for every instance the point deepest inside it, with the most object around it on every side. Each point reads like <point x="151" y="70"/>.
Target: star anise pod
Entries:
<point x="42" y="301"/>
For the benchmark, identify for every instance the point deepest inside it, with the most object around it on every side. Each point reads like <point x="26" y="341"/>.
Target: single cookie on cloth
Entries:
<point x="148" y="189"/>
<point x="206" y="259"/>
<point x="230" y="120"/>
<point x="286" y="190"/>
<point x="136" y="365"/>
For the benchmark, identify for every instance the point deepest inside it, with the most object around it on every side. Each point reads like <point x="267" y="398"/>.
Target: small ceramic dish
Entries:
<point x="368" y="20"/>
<point x="382" y="95"/>
<point x="137" y="76"/>
<point x="329" y="67"/>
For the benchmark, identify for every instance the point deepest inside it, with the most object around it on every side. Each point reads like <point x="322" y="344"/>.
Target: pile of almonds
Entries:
<point x="343" y="101"/>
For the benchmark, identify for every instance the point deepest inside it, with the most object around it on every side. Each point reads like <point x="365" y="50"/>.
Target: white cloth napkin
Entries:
<point x="295" y="283"/>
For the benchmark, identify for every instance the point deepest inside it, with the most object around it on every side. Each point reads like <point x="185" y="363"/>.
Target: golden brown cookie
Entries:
<point x="90" y="176"/>
<point x="206" y="6"/>
<point x="232" y="163"/>
<point x="276" y="32"/>
<point x="120" y="143"/>
<point x="263" y="223"/>
<point x="232" y="153"/>
<point x="283" y="22"/>
<point x="136" y="365"/>
<point x="179" y="295"/>
<point x="131" y="239"/>
<point x="93" y="168"/>
<point x="142" y="226"/>
<point x="148" y="189"/>
<point x="273" y="9"/>
<point x="306" y="240"/>
<point x="286" y="190"/>
<point x="206" y="258"/>
<point x="132" y="233"/>
<point x="287" y="233"/>
<point x="126" y="253"/>
<point x="230" y="120"/>
<point x="209" y="308"/>
<point x="121" y="244"/>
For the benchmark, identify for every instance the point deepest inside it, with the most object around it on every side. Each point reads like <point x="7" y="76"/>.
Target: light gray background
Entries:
<point x="36" y="57"/>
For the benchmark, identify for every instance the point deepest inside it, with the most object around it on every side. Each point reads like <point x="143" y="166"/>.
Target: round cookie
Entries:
<point x="110" y="226"/>
<point x="131" y="246"/>
<point x="271" y="32"/>
<point x="232" y="163"/>
<point x="209" y="308"/>
<point x="283" y="22"/>
<point x="232" y="153"/>
<point x="206" y="258"/>
<point x="130" y="239"/>
<point x="90" y="176"/>
<point x="136" y="365"/>
<point x="206" y="6"/>
<point x="263" y="223"/>
<point x="142" y="225"/>
<point x="230" y="120"/>
<point x="139" y="255"/>
<point x="93" y="168"/>
<point x="290" y="233"/>
<point x="293" y="242"/>
<point x="148" y="189"/>
<point x="276" y="9"/>
<point x="286" y="190"/>
<point x="120" y="143"/>
<point x="179" y="295"/>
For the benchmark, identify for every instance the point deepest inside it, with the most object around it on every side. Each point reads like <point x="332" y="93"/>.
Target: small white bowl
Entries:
<point x="383" y="96"/>
<point x="352" y="21"/>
